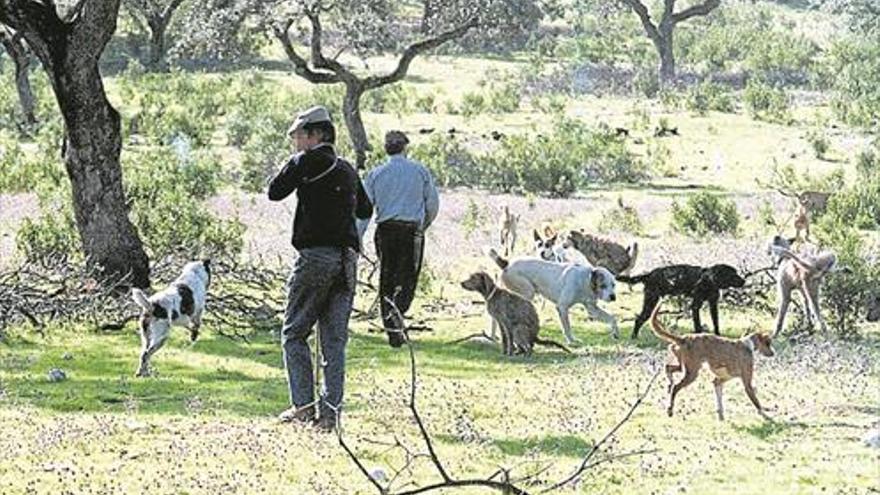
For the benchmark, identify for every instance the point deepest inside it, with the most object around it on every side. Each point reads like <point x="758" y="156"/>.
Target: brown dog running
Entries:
<point x="727" y="358"/>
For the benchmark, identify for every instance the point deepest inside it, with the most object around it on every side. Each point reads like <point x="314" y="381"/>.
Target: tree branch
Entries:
<point x="642" y="11"/>
<point x="415" y="49"/>
<point x="700" y="9"/>
<point x="301" y="65"/>
<point x="318" y="58"/>
<point x="585" y="463"/>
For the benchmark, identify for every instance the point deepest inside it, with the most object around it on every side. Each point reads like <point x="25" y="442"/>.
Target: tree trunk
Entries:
<point x="428" y="10"/>
<point x="22" y="61"/>
<point x="667" y="56"/>
<point x="351" y="109"/>
<point x="158" y="27"/>
<point x="91" y="154"/>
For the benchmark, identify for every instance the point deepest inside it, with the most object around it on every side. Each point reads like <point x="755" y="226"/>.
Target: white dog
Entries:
<point x="181" y="304"/>
<point x="564" y="284"/>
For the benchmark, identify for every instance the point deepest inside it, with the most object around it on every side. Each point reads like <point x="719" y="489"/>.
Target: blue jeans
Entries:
<point x="320" y="290"/>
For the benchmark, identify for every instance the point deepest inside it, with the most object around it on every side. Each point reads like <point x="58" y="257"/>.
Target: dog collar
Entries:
<point x="750" y="343"/>
<point x="492" y="292"/>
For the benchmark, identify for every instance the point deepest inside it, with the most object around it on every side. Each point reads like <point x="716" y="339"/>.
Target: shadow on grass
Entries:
<point x="770" y="428"/>
<point x="568" y="445"/>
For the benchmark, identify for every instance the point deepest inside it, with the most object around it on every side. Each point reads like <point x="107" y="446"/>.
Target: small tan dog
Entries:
<point x="507" y="230"/>
<point x="727" y="358"/>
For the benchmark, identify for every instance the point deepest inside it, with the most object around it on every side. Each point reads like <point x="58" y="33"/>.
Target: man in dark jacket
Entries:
<point x="321" y="287"/>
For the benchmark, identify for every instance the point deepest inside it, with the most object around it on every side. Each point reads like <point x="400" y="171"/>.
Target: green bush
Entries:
<point x="570" y="158"/>
<point x="52" y="234"/>
<point x="705" y="213"/>
<point x="621" y="218"/>
<point x="819" y="142"/>
<point x="768" y="103"/>
<point x="707" y="96"/>
<point x="845" y="293"/>
<point x="166" y="107"/>
<point x="30" y="170"/>
<point x="747" y="40"/>
<point x="854" y="74"/>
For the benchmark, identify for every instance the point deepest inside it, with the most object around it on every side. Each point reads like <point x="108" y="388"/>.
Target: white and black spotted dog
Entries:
<point x="181" y="304"/>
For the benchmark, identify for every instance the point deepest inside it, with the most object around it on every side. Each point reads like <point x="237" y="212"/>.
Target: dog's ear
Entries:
<point x="486" y="282"/>
<point x="595" y="280"/>
<point x="139" y="297"/>
<point x="549" y="231"/>
<point x="537" y="235"/>
<point x="791" y="241"/>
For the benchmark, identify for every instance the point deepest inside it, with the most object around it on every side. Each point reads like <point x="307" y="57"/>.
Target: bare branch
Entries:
<point x="585" y="463"/>
<point x="414" y="50"/>
<point x="642" y="11"/>
<point x="699" y="9"/>
<point x="301" y="65"/>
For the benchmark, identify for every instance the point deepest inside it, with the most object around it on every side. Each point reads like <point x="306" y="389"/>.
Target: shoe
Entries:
<point x="298" y="414"/>
<point x="327" y="423"/>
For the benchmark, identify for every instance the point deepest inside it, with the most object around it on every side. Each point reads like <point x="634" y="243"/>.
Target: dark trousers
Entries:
<point x="320" y="290"/>
<point x="400" y="246"/>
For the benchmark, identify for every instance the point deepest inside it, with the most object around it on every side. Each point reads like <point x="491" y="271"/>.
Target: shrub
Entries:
<point x="621" y="218"/>
<point x="818" y="142"/>
<point x="705" y="213"/>
<point x="165" y="107"/>
<point x="768" y="103"/>
<point x="854" y="73"/>
<point x="572" y="157"/>
<point x="52" y="234"/>
<point x="707" y="96"/>
<point x="22" y="170"/>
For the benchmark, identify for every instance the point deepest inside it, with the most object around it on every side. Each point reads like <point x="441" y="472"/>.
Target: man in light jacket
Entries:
<point x="406" y="203"/>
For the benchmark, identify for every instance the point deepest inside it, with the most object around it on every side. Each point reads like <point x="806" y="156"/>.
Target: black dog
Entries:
<point x="701" y="284"/>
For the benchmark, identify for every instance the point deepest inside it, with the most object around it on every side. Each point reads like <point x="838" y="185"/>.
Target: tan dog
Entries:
<point x="507" y="231"/>
<point x="804" y="273"/>
<point x="727" y="358"/>
<point x="601" y="251"/>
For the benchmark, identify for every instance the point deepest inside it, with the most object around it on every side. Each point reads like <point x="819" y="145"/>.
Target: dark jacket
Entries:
<point x="328" y="199"/>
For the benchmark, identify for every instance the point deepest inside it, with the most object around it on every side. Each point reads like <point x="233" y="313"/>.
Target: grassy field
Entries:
<point x="205" y="424"/>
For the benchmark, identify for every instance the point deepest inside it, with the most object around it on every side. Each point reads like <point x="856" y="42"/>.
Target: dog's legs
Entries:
<point x="651" y="301"/>
<point x="195" y="326"/>
<point x="505" y="337"/>
<point x="784" y="301"/>
<point x="811" y="294"/>
<point x="147" y="353"/>
<point x="750" y="391"/>
<point x="493" y="327"/>
<point x="600" y="314"/>
<point x="672" y="366"/>
<point x="566" y="325"/>
<point x="713" y="312"/>
<point x="689" y="376"/>
<point x="719" y="405"/>
<point x="696" y="306"/>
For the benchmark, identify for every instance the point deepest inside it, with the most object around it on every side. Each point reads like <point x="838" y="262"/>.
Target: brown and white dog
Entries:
<point x="727" y="358"/>
<point x="601" y="251"/>
<point x="181" y="304"/>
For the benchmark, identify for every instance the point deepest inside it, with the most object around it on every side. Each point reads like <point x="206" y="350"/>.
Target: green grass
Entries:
<point x="204" y="423"/>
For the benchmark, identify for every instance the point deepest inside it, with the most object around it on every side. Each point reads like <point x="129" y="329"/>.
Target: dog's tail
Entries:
<point x="828" y="264"/>
<point x="638" y="279"/>
<point x="501" y="262"/>
<point x="633" y="254"/>
<point x="550" y="343"/>
<point x="660" y="331"/>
